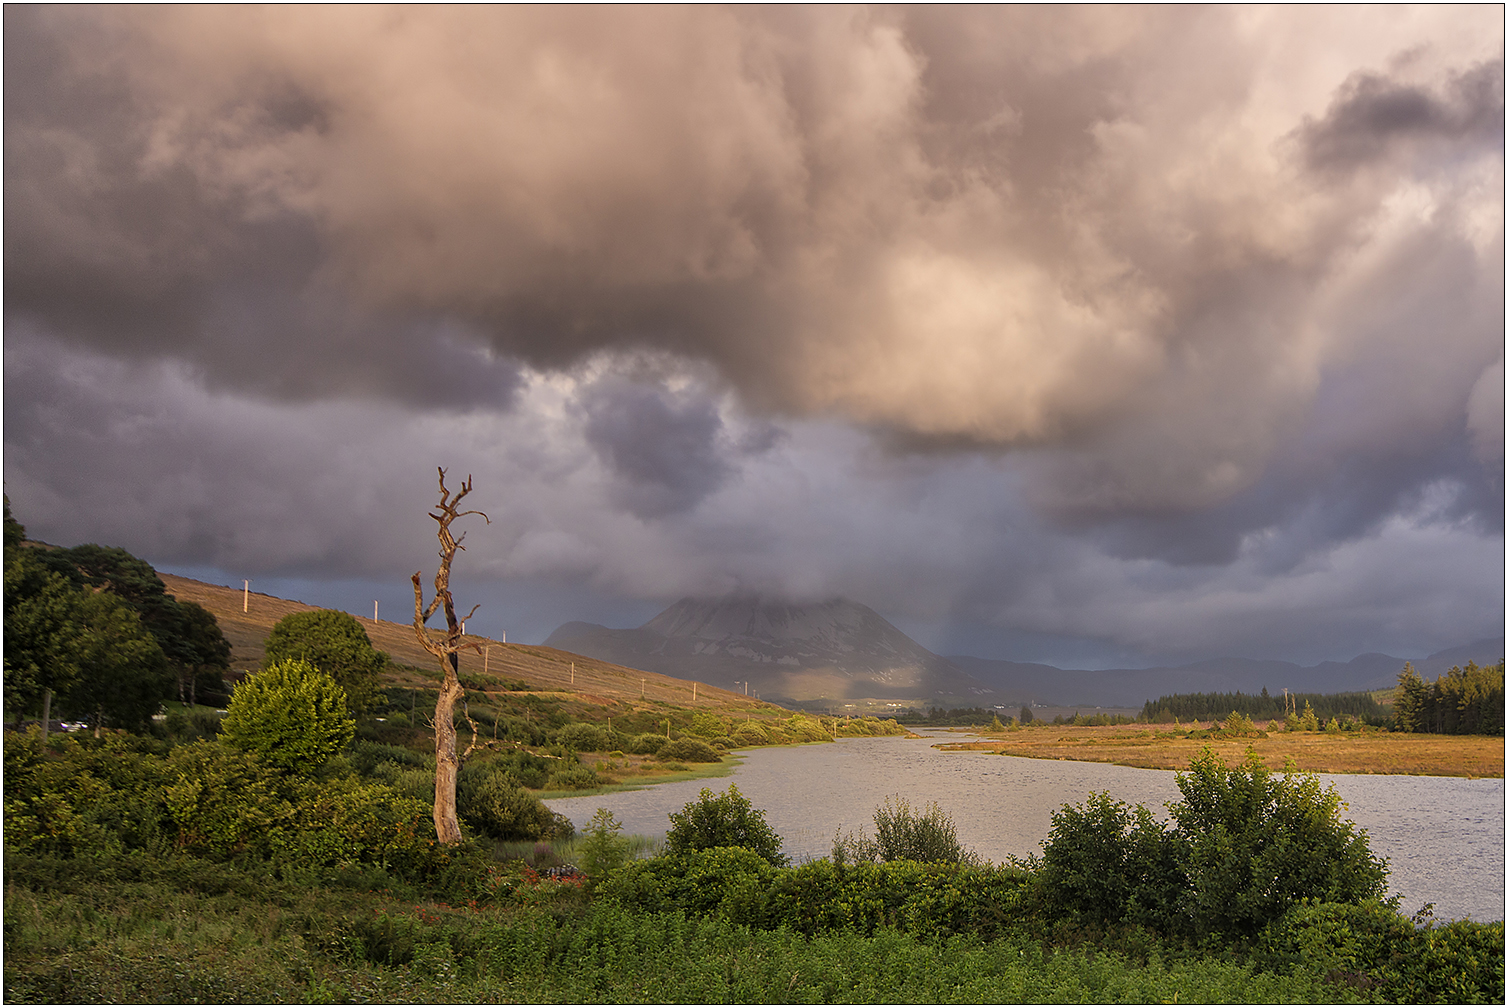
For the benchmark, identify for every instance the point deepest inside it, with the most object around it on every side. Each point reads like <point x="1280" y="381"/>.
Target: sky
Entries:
<point x="1099" y="337"/>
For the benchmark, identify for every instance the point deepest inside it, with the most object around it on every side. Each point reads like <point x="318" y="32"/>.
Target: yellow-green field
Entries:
<point x="1161" y="747"/>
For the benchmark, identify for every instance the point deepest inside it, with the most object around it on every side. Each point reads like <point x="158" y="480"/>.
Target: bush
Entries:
<point x="1253" y="843"/>
<point x="496" y="805"/>
<point x="647" y="744"/>
<point x="731" y="882"/>
<point x="901" y="834"/>
<point x="335" y="643"/>
<point x="576" y="778"/>
<point x="291" y="714"/>
<point x="584" y="737"/>
<point x="690" y="751"/>
<point x="1373" y="948"/>
<point x="722" y="820"/>
<point x="1105" y="862"/>
<point x="1245" y="846"/>
<point x="604" y="850"/>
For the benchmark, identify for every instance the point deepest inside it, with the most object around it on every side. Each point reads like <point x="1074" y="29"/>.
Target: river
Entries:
<point x="1442" y="836"/>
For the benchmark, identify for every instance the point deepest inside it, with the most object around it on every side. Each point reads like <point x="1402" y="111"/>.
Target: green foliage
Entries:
<point x="291" y="714"/>
<point x="584" y="736"/>
<point x="707" y="725"/>
<point x="1245" y="846"/>
<point x="735" y="884"/>
<point x="647" y="744"/>
<point x="573" y="778"/>
<point x="604" y="850"/>
<point x="688" y="750"/>
<point x="1238" y="724"/>
<point x="493" y="802"/>
<point x="188" y="634"/>
<point x="115" y="796"/>
<point x="1107" y="862"/>
<point x="1361" y="707"/>
<point x="15" y="532"/>
<point x="1373" y="949"/>
<point x="88" y="647"/>
<point x="904" y="834"/>
<point x="1253" y="843"/>
<point x="1463" y="701"/>
<point x="335" y="643"/>
<point x="722" y="820"/>
<point x="1307" y="721"/>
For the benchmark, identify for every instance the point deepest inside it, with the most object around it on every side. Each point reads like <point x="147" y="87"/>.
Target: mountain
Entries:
<point x="1133" y="687"/>
<point x="839" y="649"/>
<point x="830" y="650"/>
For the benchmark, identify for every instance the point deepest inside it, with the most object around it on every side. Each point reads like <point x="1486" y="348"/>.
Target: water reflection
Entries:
<point x="1442" y="836"/>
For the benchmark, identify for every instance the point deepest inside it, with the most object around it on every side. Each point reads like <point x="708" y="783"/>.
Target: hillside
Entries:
<point x="545" y="669"/>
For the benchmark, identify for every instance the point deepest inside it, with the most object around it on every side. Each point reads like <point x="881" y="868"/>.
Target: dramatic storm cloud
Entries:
<point x="1129" y="331"/>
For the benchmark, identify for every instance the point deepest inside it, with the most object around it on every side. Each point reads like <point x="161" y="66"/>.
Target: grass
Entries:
<point x="151" y="943"/>
<point x="1162" y="747"/>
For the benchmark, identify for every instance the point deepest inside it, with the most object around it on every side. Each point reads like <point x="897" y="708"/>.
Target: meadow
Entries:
<point x="1165" y="747"/>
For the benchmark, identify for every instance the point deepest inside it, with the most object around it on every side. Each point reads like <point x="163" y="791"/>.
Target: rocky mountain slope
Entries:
<point x="831" y="650"/>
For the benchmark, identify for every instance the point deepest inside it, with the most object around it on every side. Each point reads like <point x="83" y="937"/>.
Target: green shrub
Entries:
<point x="728" y="882"/>
<point x="1253" y="843"/>
<point x="749" y="734"/>
<point x="584" y="737"/>
<point x="335" y="643"/>
<point x="290" y="714"/>
<point x="646" y="744"/>
<point x="1106" y="862"/>
<point x="1371" y="947"/>
<point x="604" y="850"/>
<point x="722" y="820"/>
<point x="495" y="804"/>
<point x="902" y="834"/>
<point x="1245" y="845"/>
<point x="689" y="750"/>
<point x="707" y="725"/>
<point x="576" y="778"/>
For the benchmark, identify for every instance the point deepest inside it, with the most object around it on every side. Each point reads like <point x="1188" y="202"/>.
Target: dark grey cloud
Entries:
<point x="995" y="316"/>
<point x="1373" y="115"/>
<point x="663" y="447"/>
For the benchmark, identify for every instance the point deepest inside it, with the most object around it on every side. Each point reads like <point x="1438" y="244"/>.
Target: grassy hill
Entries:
<point x="544" y="669"/>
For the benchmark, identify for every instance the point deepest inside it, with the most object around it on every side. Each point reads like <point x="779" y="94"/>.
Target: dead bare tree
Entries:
<point x="447" y="650"/>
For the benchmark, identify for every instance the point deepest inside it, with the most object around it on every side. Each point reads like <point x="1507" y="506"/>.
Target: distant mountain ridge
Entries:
<point x="840" y="649"/>
<point x="831" y="650"/>
<point x="1134" y="687"/>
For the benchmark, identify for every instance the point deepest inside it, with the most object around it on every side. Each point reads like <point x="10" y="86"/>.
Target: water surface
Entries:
<point x="1442" y="836"/>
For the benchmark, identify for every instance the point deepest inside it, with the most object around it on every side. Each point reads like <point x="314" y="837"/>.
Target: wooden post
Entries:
<point x="246" y="597"/>
<point x="374" y="610"/>
<point x="693" y="692"/>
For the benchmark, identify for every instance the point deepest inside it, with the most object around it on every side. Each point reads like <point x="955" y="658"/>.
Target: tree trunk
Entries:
<point x="447" y="764"/>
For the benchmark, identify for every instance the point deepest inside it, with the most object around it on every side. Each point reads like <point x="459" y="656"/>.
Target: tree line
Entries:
<point x="1463" y="701"/>
<point x="1215" y="706"/>
<point x="91" y="633"/>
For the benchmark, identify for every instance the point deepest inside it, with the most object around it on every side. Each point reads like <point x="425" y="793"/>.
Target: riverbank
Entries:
<point x="1162" y="747"/>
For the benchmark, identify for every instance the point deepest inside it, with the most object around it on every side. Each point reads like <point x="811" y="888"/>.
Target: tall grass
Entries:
<point x="156" y="944"/>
